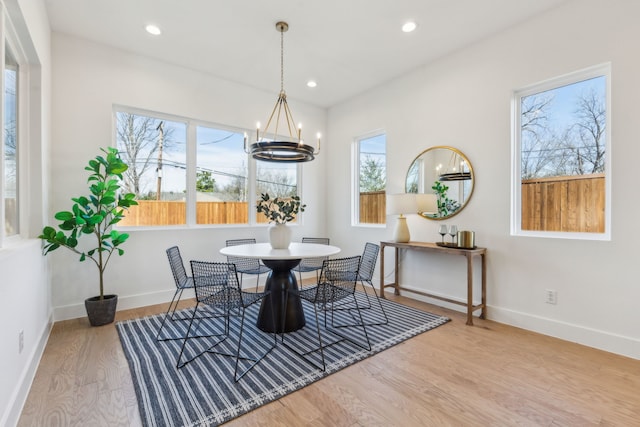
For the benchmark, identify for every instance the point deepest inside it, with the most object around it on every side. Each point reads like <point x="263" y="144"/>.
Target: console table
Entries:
<point x="432" y="247"/>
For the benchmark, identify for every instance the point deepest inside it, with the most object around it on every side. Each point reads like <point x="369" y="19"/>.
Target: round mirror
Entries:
<point x="443" y="179"/>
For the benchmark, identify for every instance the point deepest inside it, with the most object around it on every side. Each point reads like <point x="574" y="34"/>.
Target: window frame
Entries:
<point x="191" y="169"/>
<point x="9" y="37"/>
<point x="601" y="70"/>
<point x="355" y="177"/>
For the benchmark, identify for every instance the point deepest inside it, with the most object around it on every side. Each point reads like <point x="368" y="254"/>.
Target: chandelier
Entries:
<point x="457" y="170"/>
<point x="281" y="148"/>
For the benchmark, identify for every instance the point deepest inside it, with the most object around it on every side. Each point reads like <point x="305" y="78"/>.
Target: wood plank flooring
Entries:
<point x="455" y="375"/>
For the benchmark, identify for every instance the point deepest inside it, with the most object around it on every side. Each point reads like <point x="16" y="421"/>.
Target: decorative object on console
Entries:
<point x="466" y="239"/>
<point x="279" y="211"/>
<point x="280" y="148"/>
<point x="453" y="232"/>
<point x="400" y="204"/>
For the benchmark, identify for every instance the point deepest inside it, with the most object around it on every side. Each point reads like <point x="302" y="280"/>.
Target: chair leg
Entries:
<point x="376" y="298"/>
<point x="186" y="338"/>
<point x="300" y="276"/>
<point x="164" y="319"/>
<point x="360" y="323"/>
<point x="237" y="377"/>
<point x="320" y="346"/>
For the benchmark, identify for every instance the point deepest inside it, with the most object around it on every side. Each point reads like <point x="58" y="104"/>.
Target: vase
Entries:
<point x="279" y="236"/>
<point x="101" y="311"/>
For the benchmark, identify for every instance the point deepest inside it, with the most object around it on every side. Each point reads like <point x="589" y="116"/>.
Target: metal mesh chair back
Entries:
<point x="318" y="240"/>
<point x="368" y="262"/>
<point x="338" y="278"/>
<point x="312" y="264"/>
<point x="244" y="265"/>
<point x="177" y="268"/>
<point x="216" y="283"/>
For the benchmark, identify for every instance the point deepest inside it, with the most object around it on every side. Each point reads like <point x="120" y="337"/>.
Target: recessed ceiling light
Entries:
<point x="153" y="29"/>
<point x="409" y="27"/>
<point x="312" y="83"/>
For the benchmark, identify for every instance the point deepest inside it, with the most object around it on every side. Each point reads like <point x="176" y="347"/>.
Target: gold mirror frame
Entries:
<point x="441" y="166"/>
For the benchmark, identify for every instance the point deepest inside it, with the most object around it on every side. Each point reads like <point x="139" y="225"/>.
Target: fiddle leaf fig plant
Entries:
<point x="94" y="215"/>
<point x="279" y="210"/>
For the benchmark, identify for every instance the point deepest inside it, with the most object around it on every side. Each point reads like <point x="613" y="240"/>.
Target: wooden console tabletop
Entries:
<point x="432" y="247"/>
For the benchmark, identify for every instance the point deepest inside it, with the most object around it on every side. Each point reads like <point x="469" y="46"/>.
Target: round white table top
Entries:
<point x="295" y="251"/>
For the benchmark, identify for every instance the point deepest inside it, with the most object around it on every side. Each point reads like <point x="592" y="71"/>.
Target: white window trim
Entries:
<point x="355" y="179"/>
<point x="9" y="35"/>
<point x="516" y="201"/>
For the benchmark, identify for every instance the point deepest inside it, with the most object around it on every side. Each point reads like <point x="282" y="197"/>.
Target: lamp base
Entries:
<point x="401" y="233"/>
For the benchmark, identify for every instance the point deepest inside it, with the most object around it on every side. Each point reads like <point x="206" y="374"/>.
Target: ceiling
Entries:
<point x="347" y="46"/>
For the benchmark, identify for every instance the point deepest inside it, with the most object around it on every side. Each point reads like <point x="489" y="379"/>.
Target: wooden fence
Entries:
<point x="373" y="208"/>
<point x="565" y="203"/>
<point x="160" y="212"/>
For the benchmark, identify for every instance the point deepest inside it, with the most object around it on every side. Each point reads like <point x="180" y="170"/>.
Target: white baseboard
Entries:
<point x="75" y="311"/>
<point x="602" y="340"/>
<point x="21" y="392"/>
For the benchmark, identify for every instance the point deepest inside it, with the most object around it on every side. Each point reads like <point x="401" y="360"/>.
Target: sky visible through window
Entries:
<point x="563" y="130"/>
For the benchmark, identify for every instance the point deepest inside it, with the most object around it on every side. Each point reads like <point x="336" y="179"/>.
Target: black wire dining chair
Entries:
<point x="365" y="276"/>
<point x="308" y="265"/>
<point x="247" y="265"/>
<point x="219" y="294"/>
<point x="338" y="280"/>
<point x="182" y="281"/>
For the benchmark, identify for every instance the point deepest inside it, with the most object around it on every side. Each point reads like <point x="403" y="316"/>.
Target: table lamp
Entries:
<point x="400" y="204"/>
<point x="427" y="204"/>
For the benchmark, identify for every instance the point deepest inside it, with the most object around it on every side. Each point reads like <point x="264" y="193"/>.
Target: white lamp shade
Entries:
<point x="402" y="203"/>
<point x="427" y="203"/>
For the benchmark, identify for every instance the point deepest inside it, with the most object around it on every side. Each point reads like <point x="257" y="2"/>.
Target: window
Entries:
<point x="561" y="148"/>
<point x="371" y="179"/>
<point x="188" y="173"/>
<point x="276" y="179"/>
<point x="221" y="177"/>
<point x="155" y="150"/>
<point x="10" y="134"/>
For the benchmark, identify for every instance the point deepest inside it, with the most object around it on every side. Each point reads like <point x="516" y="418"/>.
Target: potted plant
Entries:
<point x="279" y="211"/>
<point x="94" y="215"/>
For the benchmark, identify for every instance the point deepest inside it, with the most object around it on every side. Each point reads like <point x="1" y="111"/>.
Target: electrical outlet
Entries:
<point x="20" y="342"/>
<point x="551" y="296"/>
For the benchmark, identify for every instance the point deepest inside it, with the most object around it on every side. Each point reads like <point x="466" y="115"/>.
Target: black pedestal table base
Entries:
<point x="279" y="280"/>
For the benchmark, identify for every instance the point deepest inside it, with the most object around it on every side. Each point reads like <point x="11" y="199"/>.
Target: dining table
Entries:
<point x="280" y="279"/>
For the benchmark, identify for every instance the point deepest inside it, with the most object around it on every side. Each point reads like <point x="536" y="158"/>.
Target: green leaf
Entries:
<point x="63" y="215"/>
<point x="95" y="219"/>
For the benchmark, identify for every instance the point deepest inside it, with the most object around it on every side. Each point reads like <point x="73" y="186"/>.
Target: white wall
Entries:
<point x="463" y="100"/>
<point x="88" y="80"/>
<point x="24" y="284"/>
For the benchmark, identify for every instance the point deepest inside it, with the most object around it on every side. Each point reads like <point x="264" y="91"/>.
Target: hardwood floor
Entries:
<point x="455" y="375"/>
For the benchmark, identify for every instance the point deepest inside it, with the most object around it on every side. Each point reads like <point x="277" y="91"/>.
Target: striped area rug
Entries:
<point x="203" y="392"/>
